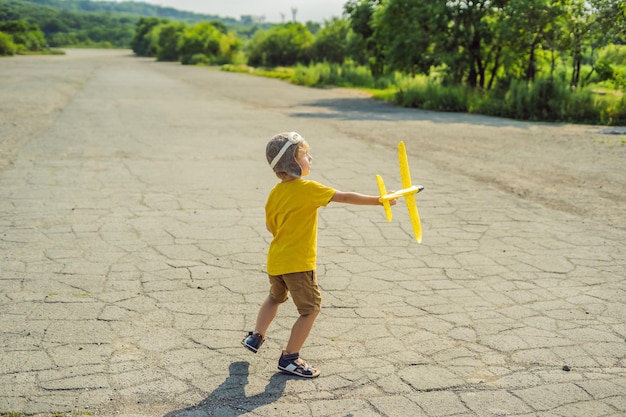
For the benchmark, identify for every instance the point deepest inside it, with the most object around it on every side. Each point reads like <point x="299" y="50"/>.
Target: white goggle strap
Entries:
<point x="293" y="138"/>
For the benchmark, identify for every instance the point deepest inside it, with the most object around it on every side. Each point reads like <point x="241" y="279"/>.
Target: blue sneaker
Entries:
<point x="253" y="341"/>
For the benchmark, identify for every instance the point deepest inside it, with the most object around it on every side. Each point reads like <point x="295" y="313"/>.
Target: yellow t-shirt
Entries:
<point x="291" y="216"/>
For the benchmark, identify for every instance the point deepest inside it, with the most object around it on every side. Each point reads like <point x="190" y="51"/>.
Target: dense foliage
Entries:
<point x="527" y="59"/>
<point x="480" y="42"/>
<point x="286" y="44"/>
<point x="91" y="23"/>
<point x="200" y="43"/>
<point x="18" y="36"/>
<point x="71" y="28"/>
<point x="134" y="8"/>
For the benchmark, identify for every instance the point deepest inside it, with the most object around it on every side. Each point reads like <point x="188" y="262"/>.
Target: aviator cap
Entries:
<point x="281" y="153"/>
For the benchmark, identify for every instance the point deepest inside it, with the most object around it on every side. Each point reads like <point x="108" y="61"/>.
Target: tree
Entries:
<point x="54" y="25"/>
<point x="408" y="32"/>
<point x="601" y="21"/>
<point x="330" y="43"/>
<point x="361" y="17"/>
<point x="169" y="35"/>
<point x="205" y="43"/>
<point x="7" y="46"/>
<point x="24" y="35"/>
<point x="539" y="19"/>
<point x="230" y="46"/>
<point x="142" y="43"/>
<point x="470" y="34"/>
<point x="286" y="44"/>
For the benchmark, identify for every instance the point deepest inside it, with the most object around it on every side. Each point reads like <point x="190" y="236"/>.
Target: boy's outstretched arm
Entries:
<point x="358" y="199"/>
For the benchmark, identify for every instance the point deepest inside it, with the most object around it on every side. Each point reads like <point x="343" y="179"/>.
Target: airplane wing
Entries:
<point x="405" y="174"/>
<point x="414" y="216"/>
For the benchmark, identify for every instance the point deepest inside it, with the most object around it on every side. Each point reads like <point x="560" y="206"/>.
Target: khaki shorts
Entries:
<point x="303" y="289"/>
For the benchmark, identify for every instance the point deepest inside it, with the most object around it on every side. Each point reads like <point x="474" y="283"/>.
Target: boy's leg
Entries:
<point x="266" y="315"/>
<point x="278" y="295"/>
<point x="267" y="312"/>
<point x="307" y="297"/>
<point x="300" y="331"/>
<point x="290" y="361"/>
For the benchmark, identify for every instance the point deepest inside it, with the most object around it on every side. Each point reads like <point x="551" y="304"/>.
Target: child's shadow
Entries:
<point x="229" y="399"/>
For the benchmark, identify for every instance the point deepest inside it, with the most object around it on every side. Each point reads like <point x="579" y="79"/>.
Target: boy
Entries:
<point x="291" y="218"/>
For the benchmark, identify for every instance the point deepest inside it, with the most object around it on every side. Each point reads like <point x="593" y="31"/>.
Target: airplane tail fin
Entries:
<point x="383" y="192"/>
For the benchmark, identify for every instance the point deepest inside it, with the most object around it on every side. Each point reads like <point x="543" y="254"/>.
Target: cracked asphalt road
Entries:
<point x="132" y="250"/>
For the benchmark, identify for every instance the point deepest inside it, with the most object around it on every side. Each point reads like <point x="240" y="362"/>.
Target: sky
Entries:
<point x="314" y="10"/>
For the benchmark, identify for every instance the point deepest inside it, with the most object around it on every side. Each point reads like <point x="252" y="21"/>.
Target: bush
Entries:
<point x="206" y="39"/>
<point x="353" y="75"/>
<point x="614" y="53"/>
<point x="619" y="77"/>
<point x="198" y="59"/>
<point x="411" y="92"/>
<point x="168" y="40"/>
<point x="580" y="108"/>
<point x="423" y="93"/>
<point x="550" y="100"/>
<point x="230" y="50"/>
<point x="604" y="70"/>
<point x="7" y="47"/>
<point x="144" y="42"/>
<point x="282" y="45"/>
<point x="615" y="114"/>
<point x="346" y="75"/>
<point x="516" y="100"/>
<point x="308" y="76"/>
<point x="545" y="99"/>
<point x="330" y="42"/>
<point x="25" y="37"/>
<point x="64" y="39"/>
<point x="449" y="99"/>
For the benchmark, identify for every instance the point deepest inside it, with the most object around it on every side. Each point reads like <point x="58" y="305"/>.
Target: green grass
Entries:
<point x="282" y="73"/>
<point x="611" y="142"/>
<point x="545" y="99"/>
<point x="387" y="94"/>
<point x="51" y="51"/>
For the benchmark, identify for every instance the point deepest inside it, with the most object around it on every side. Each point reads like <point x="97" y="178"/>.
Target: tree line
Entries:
<point x="79" y="23"/>
<point x="478" y="43"/>
<point x="528" y="59"/>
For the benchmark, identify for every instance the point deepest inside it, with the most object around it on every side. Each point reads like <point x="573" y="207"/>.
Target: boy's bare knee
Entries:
<point x="312" y="313"/>
<point x="272" y="300"/>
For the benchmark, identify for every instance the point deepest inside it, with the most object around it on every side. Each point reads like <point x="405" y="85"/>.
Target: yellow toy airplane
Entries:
<point x="408" y="190"/>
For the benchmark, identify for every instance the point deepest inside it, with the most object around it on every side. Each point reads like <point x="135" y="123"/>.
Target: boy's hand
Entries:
<point x="394" y="201"/>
